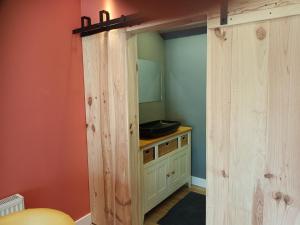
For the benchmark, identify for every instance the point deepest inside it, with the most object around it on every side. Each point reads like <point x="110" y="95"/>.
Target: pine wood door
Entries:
<point x="111" y="97"/>
<point x="253" y="123"/>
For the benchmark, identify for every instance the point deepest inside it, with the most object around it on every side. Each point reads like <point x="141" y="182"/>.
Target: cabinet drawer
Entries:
<point x="184" y="140"/>
<point x="167" y="147"/>
<point x="149" y="155"/>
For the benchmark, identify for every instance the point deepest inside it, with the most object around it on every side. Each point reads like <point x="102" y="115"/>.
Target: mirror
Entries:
<point x="149" y="81"/>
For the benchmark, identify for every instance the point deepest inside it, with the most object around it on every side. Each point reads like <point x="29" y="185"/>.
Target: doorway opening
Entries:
<point x="172" y="89"/>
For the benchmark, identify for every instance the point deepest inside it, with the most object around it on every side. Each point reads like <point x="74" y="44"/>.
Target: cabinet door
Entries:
<point x="162" y="179"/>
<point x="155" y="183"/>
<point x="150" y="187"/>
<point x="178" y="169"/>
<point x="174" y="168"/>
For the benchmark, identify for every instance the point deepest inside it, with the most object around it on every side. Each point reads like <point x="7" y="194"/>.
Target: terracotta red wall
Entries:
<point x="115" y="7"/>
<point x="43" y="152"/>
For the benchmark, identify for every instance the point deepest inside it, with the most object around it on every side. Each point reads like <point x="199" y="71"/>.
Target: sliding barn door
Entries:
<point x="112" y="127"/>
<point x="253" y="123"/>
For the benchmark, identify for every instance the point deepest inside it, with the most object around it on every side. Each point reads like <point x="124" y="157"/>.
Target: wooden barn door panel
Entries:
<point x="112" y="127"/>
<point x="219" y="56"/>
<point x="283" y="154"/>
<point x="91" y="49"/>
<point x="253" y="120"/>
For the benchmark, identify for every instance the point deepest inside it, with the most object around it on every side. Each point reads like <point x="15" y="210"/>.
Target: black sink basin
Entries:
<point x="158" y="128"/>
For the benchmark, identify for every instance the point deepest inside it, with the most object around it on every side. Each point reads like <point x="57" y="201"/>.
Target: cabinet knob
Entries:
<point x="173" y="172"/>
<point x="168" y="175"/>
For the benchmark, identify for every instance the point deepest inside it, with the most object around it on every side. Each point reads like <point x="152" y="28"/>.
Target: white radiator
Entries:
<point x="11" y="204"/>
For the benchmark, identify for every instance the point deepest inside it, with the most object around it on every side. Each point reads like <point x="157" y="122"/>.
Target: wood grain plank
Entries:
<point x="194" y="20"/>
<point x="218" y="124"/>
<point x="107" y="149"/>
<point x="236" y="7"/>
<point x="119" y="124"/>
<point x="241" y="11"/>
<point x="249" y="99"/>
<point x="91" y="56"/>
<point x="283" y="192"/>
<point x="135" y="163"/>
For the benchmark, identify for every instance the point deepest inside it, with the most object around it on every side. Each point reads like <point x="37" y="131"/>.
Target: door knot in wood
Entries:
<point x="269" y="176"/>
<point x="287" y="200"/>
<point x="261" y="33"/>
<point x="224" y="174"/>
<point x="131" y="129"/>
<point x="90" y="101"/>
<point x="93" y="128"/>
<point x="221" y="34"/>
<point x="123" y="202"/>
<point x="277" y="196"/>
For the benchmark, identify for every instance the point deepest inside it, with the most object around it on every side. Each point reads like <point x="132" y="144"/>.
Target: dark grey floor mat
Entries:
<point x="189" y="211"/>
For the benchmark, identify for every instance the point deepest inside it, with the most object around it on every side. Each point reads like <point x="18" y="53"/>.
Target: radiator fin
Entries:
<point x="11" y="204"/>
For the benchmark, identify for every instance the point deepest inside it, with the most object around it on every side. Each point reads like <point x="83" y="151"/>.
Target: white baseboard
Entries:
<point x="85" y="220"/>
<point x="199" y="182"/>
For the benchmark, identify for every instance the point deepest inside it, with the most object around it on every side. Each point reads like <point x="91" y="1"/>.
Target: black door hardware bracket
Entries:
<point x="224" y="12"/>
<point x="103" y="13"/>
<point x="106" y="24"/>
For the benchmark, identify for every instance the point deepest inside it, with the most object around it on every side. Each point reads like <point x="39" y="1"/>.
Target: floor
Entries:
<point x="152" y="217"/>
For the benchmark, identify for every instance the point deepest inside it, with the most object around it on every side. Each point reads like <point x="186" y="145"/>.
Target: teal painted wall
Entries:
<point x="152" y="47"/>
<point x="185" y="86"/>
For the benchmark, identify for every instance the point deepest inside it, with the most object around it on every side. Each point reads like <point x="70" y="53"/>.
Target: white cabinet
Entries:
<point x="166" y="172"/>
